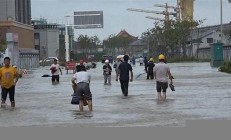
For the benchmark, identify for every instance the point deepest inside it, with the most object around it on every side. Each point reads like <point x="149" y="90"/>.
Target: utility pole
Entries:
<point x="221" y="20"/>
<point x="176" y="9"/>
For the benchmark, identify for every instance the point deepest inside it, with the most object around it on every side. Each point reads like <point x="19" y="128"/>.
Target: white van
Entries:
<point x="48" y="59"/>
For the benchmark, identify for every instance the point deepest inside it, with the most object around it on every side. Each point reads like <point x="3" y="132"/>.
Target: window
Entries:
<point x="36" y="36"/>
<point x="209" y="40"/>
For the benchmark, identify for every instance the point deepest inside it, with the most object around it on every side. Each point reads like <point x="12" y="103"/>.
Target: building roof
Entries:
<point x="207" y="30"/>
<point x="124" y="33"/>
<point x="16" y="24"/>
<point x="198" y="34"/>
<point x="226" y="27"/>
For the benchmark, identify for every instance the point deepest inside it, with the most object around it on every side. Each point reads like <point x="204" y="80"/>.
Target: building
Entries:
<point x="139" y="48"/>
<point x="62" y="49"/>
<point x="16" y="10"/>
<point x="46" y="38"/>
<point x="125" y="34"/>
<point x="15" y="17"/>
<point x="119" y="44"/>
<point x="25" y="33"/>
<point x="202" y="38"/>
<point x="15" y="21"/>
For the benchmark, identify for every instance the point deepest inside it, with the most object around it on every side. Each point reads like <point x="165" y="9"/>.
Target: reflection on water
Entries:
<point x="201" y="92"/>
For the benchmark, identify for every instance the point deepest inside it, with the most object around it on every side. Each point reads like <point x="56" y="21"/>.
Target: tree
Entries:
<point x="87" y="44"/>
<point x="84" y="43"/>
<point x="155" y="38"/>
<point x="95" y="40"/>
<point x="111" y="43"/>
<point x="2" y="45"/>
<point x="124" y="43"/>
<point x="171" y="39"/>
<point x="119" y="43"/>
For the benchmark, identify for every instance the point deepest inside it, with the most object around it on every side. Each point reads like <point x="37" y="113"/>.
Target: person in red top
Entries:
<point x="55" y="68"/>
<point x="80" y="66"/>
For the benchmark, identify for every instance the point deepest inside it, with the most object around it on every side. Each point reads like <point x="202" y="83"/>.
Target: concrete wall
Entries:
<point x="227" y="53"/>
<point x="53" y="39"/>
<point x="205" y="53"/>
<point x="204" y="47"/>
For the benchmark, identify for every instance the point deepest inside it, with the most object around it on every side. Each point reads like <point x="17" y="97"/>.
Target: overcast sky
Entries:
<point x="117" y="18"/>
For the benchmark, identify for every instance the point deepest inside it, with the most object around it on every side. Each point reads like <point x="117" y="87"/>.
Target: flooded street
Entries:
<point x="201" y="93"/>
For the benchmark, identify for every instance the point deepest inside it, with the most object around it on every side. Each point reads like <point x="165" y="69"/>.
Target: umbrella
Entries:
<point x="120" y="57"/>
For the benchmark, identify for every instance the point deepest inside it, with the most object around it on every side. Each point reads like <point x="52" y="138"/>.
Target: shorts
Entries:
<point x="11" y="92"/>
<point x="161" y="86"/>
<point x="83" y="90"/>
<point x="55" y="78"/>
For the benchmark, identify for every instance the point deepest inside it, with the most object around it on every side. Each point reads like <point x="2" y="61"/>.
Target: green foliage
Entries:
<point x="226" y="67"/>
<point x="86" y="44"/>
<point x="180" y="59"/>
<point x="114" y="42"/>
<point x="177" y="59"/>
<point x="2" y="45"/>
<point x="169" y="39"/>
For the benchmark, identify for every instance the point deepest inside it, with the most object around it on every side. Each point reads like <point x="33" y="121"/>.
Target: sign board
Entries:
<point x="88" y="19"/>
<point x="70" y="65"/>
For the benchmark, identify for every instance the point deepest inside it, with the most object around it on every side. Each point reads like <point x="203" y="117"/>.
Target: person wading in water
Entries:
<point x="162" y="74"/>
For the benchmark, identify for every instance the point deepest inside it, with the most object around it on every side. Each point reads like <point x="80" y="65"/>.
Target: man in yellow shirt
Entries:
<point x="8" y="78"/>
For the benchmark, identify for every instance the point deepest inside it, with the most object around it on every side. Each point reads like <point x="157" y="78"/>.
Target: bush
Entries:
<point x="226" y="67"/>
<point x="184" y="59"/>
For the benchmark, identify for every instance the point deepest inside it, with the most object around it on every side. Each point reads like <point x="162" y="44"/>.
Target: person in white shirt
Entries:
<point x="162" y="74"/>
<point x="55" y="69"/>
<point x="82" y="81"/>
<point x="141" y="60"/>
<point x="107" y="73"/>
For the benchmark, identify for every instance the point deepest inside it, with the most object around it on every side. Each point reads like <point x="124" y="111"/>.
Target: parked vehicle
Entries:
<point x="104" y="57"/>
<point x="48" y="59"/>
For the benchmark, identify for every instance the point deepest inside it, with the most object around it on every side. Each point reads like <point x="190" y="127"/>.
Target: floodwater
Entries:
<point x="201" y="93"/>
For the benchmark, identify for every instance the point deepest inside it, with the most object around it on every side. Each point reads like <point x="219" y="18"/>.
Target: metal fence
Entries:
<point x="28" y="60"/>
<point x="205" y="53"/>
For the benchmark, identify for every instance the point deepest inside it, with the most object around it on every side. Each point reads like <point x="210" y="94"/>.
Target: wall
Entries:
<point x="49" y="42"/>
<point x="53" y="43"/>
<point x="25" y="32"/>
<point x="205" y="53"/>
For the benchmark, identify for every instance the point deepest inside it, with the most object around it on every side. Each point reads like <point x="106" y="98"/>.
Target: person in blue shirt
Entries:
<point x="123" y="74"/>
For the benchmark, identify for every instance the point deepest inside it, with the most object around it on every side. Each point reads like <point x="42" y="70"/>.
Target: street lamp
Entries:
<point x="67" y="49"/>
<point x="67" y="43"/>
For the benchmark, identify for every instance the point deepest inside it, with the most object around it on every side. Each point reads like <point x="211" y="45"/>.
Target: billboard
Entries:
<point x="88" y="19"/>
